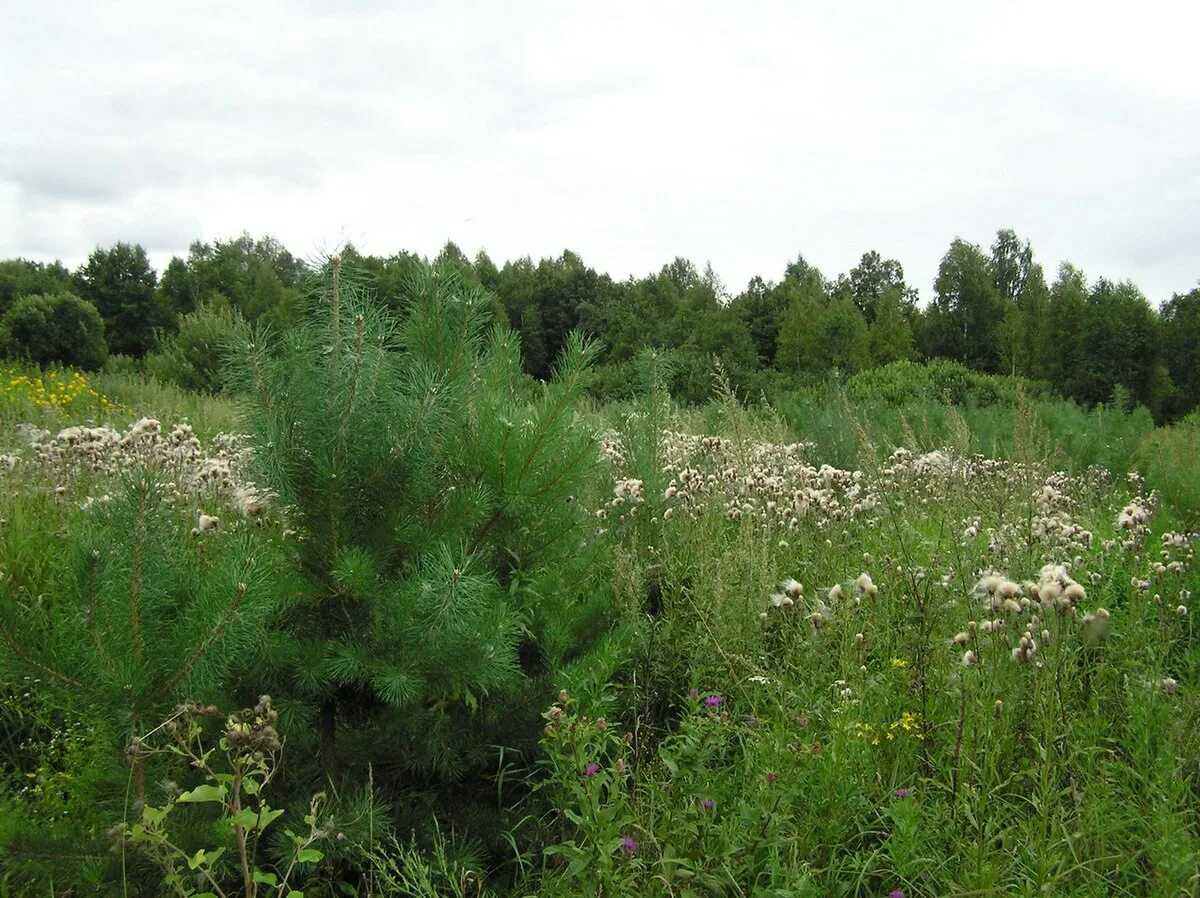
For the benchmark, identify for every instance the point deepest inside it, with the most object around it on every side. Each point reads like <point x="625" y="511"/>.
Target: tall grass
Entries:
<point x="1074" y="438"/>
<point x="144" y="395"/>
<point x="747" y="735"/>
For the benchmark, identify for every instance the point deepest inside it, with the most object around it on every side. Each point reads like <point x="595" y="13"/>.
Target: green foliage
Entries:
<point x="1167" y="457"/>
<point x="1117" y="345"/>
<point x="259" y="278"/>
<point x="130" y="389"/>
<point x="890" y="333"/>
<point x="843" y="341"/>
<point x="237" y="771"/>
<point x="458" y="540"/>
<point x="903" y="383"/>
<point x="20" y="277"/>
<point x="799" y="332"/>
<point x="875" y="280"/>
<point x="131" y="614"/>
<point x="120" y="283"/>
<point x="835" y="741"/>
<point x="762" y="310"/>
<point x="57" y="329"/>
<point x="964" y="317"/>
<point x="443" y="869"/>
<point x="440" y="569"/>
<point x="1074" y="437"/>
<point x="1179" y="333"/>
<point x="992" y="312"/>
<point x="194" y="358"/>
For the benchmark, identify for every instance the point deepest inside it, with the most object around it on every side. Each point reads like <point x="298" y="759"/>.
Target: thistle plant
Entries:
<point x="237" y="768"/>
<point x="440" y="563"/>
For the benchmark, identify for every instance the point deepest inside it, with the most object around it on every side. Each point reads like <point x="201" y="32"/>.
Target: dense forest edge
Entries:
<point x="993" y="318"/>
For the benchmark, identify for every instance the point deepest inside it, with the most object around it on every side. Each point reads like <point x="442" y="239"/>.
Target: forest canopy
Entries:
<point x="994" y="310"/>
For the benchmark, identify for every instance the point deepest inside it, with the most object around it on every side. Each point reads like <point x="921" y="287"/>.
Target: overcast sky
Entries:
<point x="736" y="133"/>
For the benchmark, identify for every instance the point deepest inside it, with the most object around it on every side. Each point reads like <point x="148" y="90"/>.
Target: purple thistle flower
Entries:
<point x="901" y="792"/>
<point x="708" y="804"/>
<point x="630" y="845"/>
<point x="591" y="769"/>
<point x="896" y="893"/>
<point x="713" y="700"/>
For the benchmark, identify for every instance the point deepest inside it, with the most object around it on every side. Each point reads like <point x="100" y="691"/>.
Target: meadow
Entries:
<point x="388" y="617"/>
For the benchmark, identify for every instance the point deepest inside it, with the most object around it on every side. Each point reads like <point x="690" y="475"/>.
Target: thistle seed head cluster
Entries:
<point x="1133" y="521"/>
<point x="192" y="472"/>
<point x="764" y="483"/>
<point x="253" y="730"/>
<point x="791" y="593"/>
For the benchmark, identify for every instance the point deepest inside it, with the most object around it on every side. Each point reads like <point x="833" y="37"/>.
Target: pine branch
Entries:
<point x="97" y="642"/>
<point x="135" y="578"/>
<point x="15" y="648"/>
<point x="199" y="651"/>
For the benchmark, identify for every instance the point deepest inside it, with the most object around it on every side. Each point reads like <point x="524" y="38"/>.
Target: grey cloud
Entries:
<point x="632" y="133"/>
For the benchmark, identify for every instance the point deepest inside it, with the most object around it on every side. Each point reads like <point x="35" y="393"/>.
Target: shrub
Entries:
<point x="904" y="382"/>
<point x="55" y="329"/>
<point x="194" y="357"/>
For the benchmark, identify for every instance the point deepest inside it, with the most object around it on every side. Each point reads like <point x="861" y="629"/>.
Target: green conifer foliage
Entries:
<point x="134" y="616"/>
<point x="441" y="571"/>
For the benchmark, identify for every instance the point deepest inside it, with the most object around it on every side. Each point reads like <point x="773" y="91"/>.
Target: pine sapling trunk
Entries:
<point x="329" y="737"/>
<point x="138" y="767"/>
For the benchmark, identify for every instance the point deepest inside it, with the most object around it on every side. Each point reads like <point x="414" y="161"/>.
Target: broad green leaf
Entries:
<point x="246" y="818"/>
<point x="204" y="793"/>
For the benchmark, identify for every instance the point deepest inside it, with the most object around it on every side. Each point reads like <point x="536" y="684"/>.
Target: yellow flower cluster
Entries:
<point x="52" y="391"/>
<point x="909" y="724"/>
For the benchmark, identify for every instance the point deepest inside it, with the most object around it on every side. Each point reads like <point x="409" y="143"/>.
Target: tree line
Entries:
<point x="993" y="310"/>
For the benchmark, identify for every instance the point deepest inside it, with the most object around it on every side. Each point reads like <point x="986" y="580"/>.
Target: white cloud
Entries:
<point x="737" y="133"/>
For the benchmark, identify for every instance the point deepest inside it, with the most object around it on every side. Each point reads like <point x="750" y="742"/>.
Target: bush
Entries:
<point x="193" y="358"/>
<point x="122" y="365"/>
<point x="59" y="328"/>
<point x="903" y="383"/>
